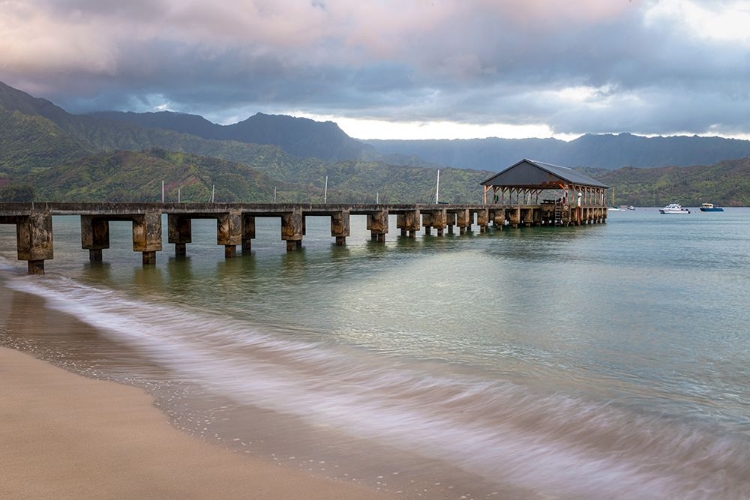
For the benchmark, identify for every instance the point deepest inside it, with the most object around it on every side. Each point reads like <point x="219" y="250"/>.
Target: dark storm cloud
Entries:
<point x="586" y="66"/>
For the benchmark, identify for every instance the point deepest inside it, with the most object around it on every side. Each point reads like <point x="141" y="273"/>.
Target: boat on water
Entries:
<point x="674" y="208"/>
<point x="710" y="207"/>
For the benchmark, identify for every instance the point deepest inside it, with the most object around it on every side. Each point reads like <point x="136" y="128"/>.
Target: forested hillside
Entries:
<point x="137" y="176"/>
<point x="726" y="183"/>
<point x="49" y="154"/>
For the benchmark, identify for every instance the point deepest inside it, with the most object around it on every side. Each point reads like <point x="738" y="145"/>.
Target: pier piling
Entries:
<point x="179" y="232"/>
<point x="236" y="223"/>
<point x="340" y="227"/>
<point x="229" y="232"/>
<point x="147" y="235"/>
<point x="377" y="224"/>
<point x="94" y="236"/>
<point x="34" y="239"/>
<point x="248" y="232"/>
<point x="409" y="223"/>
<point x="292" y="229"/>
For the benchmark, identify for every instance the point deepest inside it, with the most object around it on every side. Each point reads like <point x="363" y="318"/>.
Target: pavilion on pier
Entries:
<point x="547" y="193"/>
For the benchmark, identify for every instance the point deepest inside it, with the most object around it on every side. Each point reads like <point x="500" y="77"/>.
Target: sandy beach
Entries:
<point x="67" y="436"/>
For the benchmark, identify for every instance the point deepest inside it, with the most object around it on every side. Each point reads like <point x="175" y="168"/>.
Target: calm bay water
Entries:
<point x="608" y="361"/>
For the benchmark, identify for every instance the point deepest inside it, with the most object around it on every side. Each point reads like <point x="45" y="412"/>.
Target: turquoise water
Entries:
<point x="606" y="361"/>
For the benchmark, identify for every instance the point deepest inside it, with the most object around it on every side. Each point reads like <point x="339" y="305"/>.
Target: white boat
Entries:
<point x="674" y="208"/>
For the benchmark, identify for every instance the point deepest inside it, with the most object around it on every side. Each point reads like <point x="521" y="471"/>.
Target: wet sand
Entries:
<point x="67" y="436"/>
<point x="85" y="416"/>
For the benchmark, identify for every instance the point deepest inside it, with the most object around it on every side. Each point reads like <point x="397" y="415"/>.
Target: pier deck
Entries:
<point x="236" y="222"/>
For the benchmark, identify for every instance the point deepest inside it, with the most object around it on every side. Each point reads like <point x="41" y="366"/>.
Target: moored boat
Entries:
<point x="710" y="207"/>
<point x="674" y="208"/>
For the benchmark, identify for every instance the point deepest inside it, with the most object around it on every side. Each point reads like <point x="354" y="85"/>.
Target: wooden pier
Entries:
<point x="235" y="222"/>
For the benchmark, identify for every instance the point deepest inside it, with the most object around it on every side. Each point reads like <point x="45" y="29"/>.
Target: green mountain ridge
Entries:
<point x="121" y="161"/>
<point x="297" y="136"/>
<point x="127" y="176"/>
<point x="30" y="142"/>
<point x="49" y="154"/>
<point x="121" y="176"/>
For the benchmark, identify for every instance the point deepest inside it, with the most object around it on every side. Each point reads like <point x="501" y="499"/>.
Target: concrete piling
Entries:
<point x="236" y="224"/>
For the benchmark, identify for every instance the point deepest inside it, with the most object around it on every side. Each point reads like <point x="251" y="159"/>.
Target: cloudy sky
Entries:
<point x="396" y="68"/>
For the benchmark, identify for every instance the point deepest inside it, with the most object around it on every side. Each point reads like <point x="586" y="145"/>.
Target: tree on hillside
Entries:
<point x="18" y="193"/>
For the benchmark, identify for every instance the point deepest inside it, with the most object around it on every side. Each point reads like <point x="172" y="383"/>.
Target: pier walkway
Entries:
<point x="235" y="222"/>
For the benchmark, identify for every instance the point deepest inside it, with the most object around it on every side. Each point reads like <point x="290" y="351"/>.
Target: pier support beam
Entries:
<point x="248" y="232"/>
<point x="377" y="224"/>
<point x="229" y="232"/>
<point x="498" y="218"/>
<point x="35" y="267"/>
<point x="179" y="231"/>
<point x="464" y="217"/>
<point x="435" y="218"/>
<point x="514" y="215"/>
<point x="292" y="229"/>
<point x="34" y="240"/>
<point x="483" y="219"/>
<point x="340" y="227"/>
<point x="147" y="235"/>
<point x="451" y="221"/>
<point x="527" y="216"/>
<point x="94" y="236"/>
<point x="409" y="223"/>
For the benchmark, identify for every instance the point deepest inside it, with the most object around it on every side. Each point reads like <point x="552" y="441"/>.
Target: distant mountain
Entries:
<point x="297" y="136"/>
<point x="593" y="151"/>
<point x="29" y="139"/>
<point x="47" y="153"/>
<point x="166" y="120"/>
<point x="15" y="100"/>
<point x="29" y="142"/>
<point x="61" y="136"/>
<point x="36" y="134"/>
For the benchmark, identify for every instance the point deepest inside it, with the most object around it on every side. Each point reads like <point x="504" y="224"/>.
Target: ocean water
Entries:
<point x="606" y="361"/>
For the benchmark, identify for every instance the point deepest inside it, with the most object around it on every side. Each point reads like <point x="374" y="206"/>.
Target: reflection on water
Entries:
<point x="608" y="361"/>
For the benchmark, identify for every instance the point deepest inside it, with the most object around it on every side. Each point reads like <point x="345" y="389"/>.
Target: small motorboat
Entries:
<point x="710" y="207"/>
<point x="674" y="208"/>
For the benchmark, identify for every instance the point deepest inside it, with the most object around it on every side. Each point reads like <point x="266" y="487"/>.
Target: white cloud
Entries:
<point x="717" y="20"/>
<point x="382" y="129"/>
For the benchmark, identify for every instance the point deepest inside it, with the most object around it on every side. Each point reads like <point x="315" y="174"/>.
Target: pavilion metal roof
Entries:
<point x="531" y="173"/>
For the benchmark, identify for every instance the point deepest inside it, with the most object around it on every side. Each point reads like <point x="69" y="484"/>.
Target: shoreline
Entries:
<point x="324" y="462"/>
<point x="68" y="436"/>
